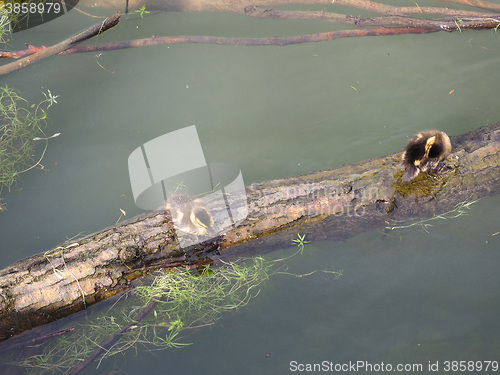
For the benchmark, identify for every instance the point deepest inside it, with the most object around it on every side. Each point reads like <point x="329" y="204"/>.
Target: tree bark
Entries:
<point x="337" y="204"/>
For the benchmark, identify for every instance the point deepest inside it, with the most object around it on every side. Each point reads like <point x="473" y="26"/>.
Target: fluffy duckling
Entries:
<point x="424" y="152"/>
<point x="190" y="215"/>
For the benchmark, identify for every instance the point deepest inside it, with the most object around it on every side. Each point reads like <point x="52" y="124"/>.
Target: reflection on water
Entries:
<point x="410" y="297"/>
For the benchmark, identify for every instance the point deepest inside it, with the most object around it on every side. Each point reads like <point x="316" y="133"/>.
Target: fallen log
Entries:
<point x="337" y="204"/>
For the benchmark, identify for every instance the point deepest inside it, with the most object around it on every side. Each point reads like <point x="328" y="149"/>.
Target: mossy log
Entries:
<point x="336" y="204"/>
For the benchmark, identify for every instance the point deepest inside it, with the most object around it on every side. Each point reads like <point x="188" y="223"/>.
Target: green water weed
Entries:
<point x="300" y="241"/>
<point x="20" y="126"/>
<point x="142" y="11"/>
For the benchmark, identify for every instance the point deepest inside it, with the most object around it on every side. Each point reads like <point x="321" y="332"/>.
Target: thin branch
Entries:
<point x="62" y="46"/>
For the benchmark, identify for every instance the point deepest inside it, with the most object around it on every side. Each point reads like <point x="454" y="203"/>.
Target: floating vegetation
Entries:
<point x="300" y="241"/>
<point x="459" y="210"/>
<point x="20" y="126"/>
<point x="157" y="316"/>
<point x="175" y="301"/>
<point x="200" y="298"/>
<point x="4" y="24"/>
<point x="142" y="11"/>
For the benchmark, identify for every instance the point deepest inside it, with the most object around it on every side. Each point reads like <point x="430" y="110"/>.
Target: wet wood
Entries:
<point x="337" y="204"/>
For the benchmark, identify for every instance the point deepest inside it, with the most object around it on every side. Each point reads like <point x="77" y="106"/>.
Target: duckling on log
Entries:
<point x="424" y="152"/>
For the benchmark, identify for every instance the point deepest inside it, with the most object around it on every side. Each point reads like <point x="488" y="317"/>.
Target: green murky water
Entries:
<point x="413" y="297"/>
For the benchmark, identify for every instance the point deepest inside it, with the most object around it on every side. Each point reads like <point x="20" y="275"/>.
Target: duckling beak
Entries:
<point x="428" y="145"/>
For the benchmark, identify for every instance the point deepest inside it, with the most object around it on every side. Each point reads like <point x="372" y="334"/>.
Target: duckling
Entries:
<point x="190" y="215"/>
<point x="424" y="152"/>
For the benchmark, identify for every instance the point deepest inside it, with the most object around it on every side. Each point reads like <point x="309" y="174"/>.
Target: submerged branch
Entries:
<point x="37" y="340"/>
<point x="102" y="348"/>
<point x="270" y="41"/>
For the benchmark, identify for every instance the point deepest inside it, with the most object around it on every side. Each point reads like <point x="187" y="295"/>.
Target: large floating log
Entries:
<point x="337" y="203"/>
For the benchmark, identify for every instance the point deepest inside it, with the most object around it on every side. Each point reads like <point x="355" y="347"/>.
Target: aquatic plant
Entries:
<point x="20" y="126"/>
<point x="142" y="11"/>
<point x="459" y="210"/>
<point x="300" y="241"/>
<point x="4" y="24"/>
<point x="200" y="298"/>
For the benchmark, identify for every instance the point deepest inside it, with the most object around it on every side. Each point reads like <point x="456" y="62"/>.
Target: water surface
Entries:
<point x="411" y="297"/>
